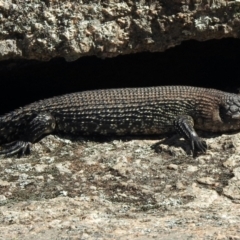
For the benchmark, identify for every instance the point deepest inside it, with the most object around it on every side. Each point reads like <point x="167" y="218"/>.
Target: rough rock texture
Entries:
<point x="43" y="29"/>
<point x="121" y="189"/>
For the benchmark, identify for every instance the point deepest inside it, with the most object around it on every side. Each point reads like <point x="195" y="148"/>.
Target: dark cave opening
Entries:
<point x="212" y="64"/>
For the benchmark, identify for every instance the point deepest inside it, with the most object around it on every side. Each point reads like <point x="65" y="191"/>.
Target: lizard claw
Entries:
<point x="12" y="148"/>
<point x="198" y="144"/>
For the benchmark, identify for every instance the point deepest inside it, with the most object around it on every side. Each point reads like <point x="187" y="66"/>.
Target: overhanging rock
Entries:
<point x="43" y="29"/>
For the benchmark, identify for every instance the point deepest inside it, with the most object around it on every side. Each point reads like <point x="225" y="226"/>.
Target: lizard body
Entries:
<point x="125" y="111"/>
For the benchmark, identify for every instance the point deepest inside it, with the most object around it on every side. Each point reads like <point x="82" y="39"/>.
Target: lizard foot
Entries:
<point x="19" y="147"/>
<point x="184" y="127"/>
<point x="198" y="144"/>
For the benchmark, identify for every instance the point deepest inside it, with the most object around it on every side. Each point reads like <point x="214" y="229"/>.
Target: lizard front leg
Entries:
<point x="38" y="127"/>
<point x="184" y="127"/>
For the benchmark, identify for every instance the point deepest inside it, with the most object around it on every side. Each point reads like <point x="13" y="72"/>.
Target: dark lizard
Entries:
<point x="127" y="111"/>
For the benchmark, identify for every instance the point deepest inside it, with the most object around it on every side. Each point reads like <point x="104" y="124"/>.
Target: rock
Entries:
<point x="203" y="198"/>
<point x="232" y="190"/>
<point x="206" y="180"/>
<point x="173" y="166"/>
<point x="180" y="186"/>
<point x="71" y="29"/>
<point x="121" y="192"/>
<point x="232" y="161"/>
<point x="4" y="183"/>
<point x="192" y="168"/>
